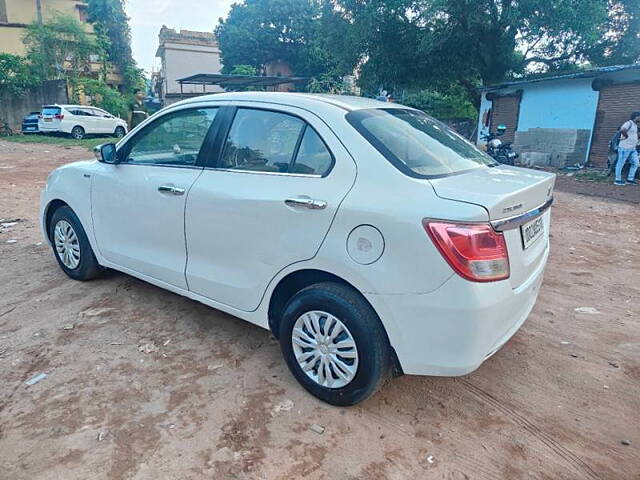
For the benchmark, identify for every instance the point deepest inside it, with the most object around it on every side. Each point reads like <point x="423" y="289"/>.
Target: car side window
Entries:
<point x="261" y="141"/>
<point x="174" y="139"/>
<point x="313" y="156"/>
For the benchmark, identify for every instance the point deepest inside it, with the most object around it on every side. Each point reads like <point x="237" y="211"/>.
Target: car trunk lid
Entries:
<point x="508" y="192"/>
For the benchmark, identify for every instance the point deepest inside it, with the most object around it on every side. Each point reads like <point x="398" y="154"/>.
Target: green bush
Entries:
<point x="105" y="97"/>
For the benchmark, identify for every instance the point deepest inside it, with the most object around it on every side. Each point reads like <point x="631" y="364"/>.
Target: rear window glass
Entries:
<point x="51" y="110"/>
<point x="417" y="144"/>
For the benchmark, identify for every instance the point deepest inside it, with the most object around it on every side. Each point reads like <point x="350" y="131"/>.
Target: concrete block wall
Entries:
<point x="13" y="108"/>
<point x="565" y="146"/>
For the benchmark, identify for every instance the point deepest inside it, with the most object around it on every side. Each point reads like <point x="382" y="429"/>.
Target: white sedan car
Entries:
<point x="368" y="237"/>
<point x="80" y="120"/>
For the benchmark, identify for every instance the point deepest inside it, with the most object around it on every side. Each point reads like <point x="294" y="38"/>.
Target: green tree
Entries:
<point x="60" y="48"/>
<point x="436" y="43"/>
<point x="243" y="70"/>
<point x="111" y="22"/>
<point x="298" y="32"/>
<point x="16" y="74"/>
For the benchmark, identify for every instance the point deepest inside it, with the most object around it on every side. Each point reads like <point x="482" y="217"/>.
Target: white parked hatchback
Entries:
<point x="80" y="120"/>
<point x="368" y="237"/>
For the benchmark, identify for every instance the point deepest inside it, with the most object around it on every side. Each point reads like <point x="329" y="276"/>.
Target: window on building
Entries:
<point x="82" y="13"/>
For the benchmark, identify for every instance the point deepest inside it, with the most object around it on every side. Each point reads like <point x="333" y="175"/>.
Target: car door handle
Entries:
<point x="306" y="202"/>
<point x="171" y="189"/>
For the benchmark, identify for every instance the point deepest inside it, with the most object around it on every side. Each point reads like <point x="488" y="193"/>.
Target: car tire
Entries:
<point x="77" y="132"/>
<point x="362" y="370"/>
<point x="120" y="132"/>
<point x="71" y="247"/>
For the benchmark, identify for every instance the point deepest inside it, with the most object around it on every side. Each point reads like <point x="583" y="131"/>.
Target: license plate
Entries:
<point x="30" y="128"/>
<point x="48" y="119"/>
<point x="531" y="232"/>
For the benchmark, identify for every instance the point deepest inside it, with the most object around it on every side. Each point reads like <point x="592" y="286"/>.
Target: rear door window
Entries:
<point x="261" y="141"/>
<point x="417" y="144"/>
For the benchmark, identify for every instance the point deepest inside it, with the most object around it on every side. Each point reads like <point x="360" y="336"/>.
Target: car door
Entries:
<point x="104" y="122"/>
<point x="266" y="203"/>
<point x="86" y="119"/>
<point x="138" y="204"/>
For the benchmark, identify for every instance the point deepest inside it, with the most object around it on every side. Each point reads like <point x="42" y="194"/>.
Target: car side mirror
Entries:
<point x="106" y="153"/>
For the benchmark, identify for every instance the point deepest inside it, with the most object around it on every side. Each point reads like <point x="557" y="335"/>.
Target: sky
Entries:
<point x="148" y="16"/>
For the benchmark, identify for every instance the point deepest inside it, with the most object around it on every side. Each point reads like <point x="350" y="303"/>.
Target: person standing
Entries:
<point x="627" y="149"/>
<point x="137" y="110"/>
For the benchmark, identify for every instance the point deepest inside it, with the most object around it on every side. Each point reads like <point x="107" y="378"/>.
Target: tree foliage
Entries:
<point x="257" y="32"/>
<point x="60" y="47"/>
<point x="440" y="49"/>
<point x="103" y="96"/>
<point x="16" y="74"/>
<point x="111" y="22"/>
<point x="413" y="43"/>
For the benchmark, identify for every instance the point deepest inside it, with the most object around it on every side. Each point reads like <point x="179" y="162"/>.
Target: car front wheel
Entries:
<point x="71" y="246"/>
<point x="334" y="343"/>
<point x="120" y="132"/>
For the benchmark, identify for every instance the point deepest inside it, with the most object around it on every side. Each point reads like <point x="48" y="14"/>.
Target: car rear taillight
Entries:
<point x="40" y="116"/>
<point x="475" y="251"/>
<point x="59" y="116"/>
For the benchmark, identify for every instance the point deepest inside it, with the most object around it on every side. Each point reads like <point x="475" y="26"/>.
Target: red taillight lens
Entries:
<point x="59" y="116"/>
<point x="475" y="252"/>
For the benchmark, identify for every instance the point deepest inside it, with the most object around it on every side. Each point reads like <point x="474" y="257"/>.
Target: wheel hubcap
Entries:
<point x="67" y="244"/>
<point x="324" y="349"/>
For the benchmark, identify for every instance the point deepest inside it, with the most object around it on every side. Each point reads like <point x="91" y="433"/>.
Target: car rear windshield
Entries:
<point x="50" y="110"/>
<point x="417" y="144"/>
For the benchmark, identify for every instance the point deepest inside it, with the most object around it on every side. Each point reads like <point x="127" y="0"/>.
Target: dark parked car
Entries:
<point x="30" y="123"/>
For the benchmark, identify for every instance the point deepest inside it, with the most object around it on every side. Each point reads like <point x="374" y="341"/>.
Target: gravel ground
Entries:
<point x="213" y="398"/>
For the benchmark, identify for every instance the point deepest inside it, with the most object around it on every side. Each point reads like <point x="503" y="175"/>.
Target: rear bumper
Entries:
<point x="46" y="129"/>
<point x="453" y="330"/>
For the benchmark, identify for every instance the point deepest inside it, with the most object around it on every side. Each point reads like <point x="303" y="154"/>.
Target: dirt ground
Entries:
<point x="216" y="400"/>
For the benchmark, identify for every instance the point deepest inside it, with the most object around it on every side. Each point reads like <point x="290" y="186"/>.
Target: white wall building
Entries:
<point x="182" y="54"/>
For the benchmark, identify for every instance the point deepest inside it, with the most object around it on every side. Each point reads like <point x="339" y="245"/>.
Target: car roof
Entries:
<point x="70" y="106"/>
<point x="345" y="102"/>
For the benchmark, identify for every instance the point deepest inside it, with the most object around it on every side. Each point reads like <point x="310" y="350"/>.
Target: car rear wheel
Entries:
<point x="77" y="132"/>
<point x="71" y="246"/>
<point x="334" y="343"/>
<point x="120" y="132"/>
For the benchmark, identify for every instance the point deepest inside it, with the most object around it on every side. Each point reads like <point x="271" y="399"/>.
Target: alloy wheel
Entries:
<point x="325" y="349"/>
<point x="67" y="244"/>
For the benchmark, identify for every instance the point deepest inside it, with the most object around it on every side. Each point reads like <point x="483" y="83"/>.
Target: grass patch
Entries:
<point x="88" y="143"/>
<point x="595" y="175"/>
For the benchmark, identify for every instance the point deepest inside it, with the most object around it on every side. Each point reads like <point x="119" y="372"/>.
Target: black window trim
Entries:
<point x="354" y="118"/>
<point x="225" y="128"/>
<point x="206" y="149"/>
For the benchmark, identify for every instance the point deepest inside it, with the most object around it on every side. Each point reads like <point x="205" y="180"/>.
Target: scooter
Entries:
<point x="499" y="151"/>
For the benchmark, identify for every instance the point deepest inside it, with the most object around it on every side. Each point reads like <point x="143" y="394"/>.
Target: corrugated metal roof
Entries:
<point x="238" y="80"/>
<point x="589" y="73"/>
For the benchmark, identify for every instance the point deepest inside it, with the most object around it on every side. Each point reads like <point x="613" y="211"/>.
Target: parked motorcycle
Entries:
<point x="500" y="151"/>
